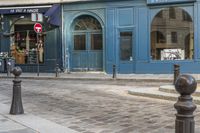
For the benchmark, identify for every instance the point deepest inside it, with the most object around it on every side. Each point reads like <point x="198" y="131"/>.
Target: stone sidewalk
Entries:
<point x="9" y="126"/>
<point x="64" y="106"/>
<point x="27" y="123"/>
<point x="88" y="106"/>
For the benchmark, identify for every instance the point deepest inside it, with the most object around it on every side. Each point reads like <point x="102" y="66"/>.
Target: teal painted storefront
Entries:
<point x="95" y="35"/>
<point x="128" y="22"/>
<point x="51" y="37"/>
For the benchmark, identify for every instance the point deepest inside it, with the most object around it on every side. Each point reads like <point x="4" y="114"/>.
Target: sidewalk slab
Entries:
<point x="153" y="92"/>
<point x="37" y="124"/>
<point x="171" y="89"/>
<point x="9" y="126"/>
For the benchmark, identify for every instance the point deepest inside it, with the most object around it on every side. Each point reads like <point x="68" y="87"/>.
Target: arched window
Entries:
<point x="87" y="33"/>
<point x="172" y="35"/>
<point x="86" y="22"/>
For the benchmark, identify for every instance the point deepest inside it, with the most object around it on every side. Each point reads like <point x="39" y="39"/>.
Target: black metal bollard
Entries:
<point x="16" y="107"/>
<point x="185" y="85"/>
<point x="8" y="67"/>
<point x="114" y="72"/>
<point x="57" y="70"/>
<point x="176" y="72"/>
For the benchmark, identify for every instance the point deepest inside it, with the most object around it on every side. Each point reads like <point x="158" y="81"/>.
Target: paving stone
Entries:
<point x="95" y="107"/>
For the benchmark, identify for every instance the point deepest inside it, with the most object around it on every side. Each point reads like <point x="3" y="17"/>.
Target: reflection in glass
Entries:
<point x="25" y="46"/>
<point x="126" y="46"/>
<point x="87" y="33"/>
<point x="86" y="22"/>
<point x="172" y="39"/>
<point x="79" y="42"/>
<point x="96" y="41"/>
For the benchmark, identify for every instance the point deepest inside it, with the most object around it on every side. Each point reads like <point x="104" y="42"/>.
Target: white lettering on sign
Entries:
<point x="38" y="29"/>
<point x="32" y="10"/>
<point x="12" y="11"/>
<point x="18" y="10"/>
<point x="22" y="10"/>
<point x="167" y="1"/>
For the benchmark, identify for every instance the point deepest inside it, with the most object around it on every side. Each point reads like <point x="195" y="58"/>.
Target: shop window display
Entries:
<point x="172" y="39"/>
<point x="25" y="47"/>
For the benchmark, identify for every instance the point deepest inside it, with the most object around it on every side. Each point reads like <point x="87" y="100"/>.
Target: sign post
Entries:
<point x="38" y="29"/>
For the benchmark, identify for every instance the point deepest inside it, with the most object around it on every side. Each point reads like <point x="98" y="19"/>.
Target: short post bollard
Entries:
<point x="8" y="68"/>
<point x="176" y="72"/>
<point x="114" y="72"/>
<point x="16" y="107"/>
<point x="57" y="70"/>
<point x="185" y="85"/>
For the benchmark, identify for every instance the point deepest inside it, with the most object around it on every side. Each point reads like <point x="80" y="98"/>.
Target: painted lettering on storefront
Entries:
<point x="24" y="10"/>
<point x="167" y="1"/>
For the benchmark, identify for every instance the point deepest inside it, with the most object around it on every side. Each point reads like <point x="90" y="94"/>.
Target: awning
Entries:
<point x="54" y="15"/>
<point x="27" y="9"/>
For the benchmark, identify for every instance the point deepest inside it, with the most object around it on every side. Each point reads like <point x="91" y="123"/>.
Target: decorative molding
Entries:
<point x="100" y="13"/>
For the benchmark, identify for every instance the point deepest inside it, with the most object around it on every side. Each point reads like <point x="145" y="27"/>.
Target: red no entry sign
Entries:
<point x="38" y="28"/>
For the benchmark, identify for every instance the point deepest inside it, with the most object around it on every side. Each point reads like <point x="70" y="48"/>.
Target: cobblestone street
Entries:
<point x="95" y="106"/>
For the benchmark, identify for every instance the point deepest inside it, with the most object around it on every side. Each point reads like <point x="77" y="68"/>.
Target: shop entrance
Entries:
<point x="87" y="54"/>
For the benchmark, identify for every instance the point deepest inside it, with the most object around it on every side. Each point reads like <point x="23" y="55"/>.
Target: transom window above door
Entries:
<point x="86" y="22"/>
<point x="87" y="33"/>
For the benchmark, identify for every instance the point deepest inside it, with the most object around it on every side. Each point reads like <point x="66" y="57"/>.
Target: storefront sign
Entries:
<point x="155" y="2"/>
<point x="23" y="10"/>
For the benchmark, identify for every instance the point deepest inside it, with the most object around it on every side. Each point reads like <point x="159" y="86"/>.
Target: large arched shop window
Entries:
<point x="87" y="24"/>
<point x="172" y="35"/>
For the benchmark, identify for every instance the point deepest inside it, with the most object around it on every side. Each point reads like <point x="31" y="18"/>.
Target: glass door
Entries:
<point x="125" y="52"/>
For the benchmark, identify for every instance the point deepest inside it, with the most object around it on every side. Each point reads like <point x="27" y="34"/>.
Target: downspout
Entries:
<point x="63" y="43"/>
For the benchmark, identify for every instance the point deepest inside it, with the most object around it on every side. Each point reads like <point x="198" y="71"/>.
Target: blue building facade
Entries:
<point x="137" y="36"/>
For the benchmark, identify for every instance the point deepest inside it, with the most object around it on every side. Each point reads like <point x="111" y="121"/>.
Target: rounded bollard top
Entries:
<point x="185" y="84"/>
<point x="17" y="71"/>
<point x="176" y="65"/>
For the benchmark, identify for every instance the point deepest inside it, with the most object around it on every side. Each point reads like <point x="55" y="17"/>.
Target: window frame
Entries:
<point x="132" y="30"/>
<point x="153" y="12"/>
<point x="22" y="55"/>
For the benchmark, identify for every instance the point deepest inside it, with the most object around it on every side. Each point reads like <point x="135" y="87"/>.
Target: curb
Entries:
<point x="171" y="89"/>
<point x="160" y="96"/>
<point x="170" y="98"/>
<point x="98" y="79"/>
